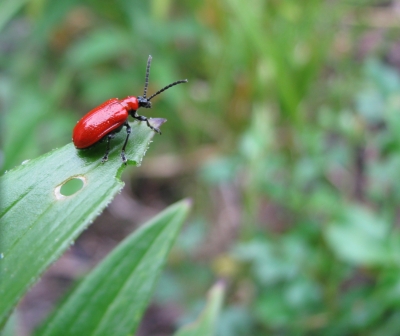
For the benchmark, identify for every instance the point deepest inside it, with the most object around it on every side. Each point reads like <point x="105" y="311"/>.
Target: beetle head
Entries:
<point x="144" y="102"/>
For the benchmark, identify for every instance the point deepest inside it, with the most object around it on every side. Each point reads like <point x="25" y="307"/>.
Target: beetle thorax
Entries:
<point x="130" y="103"/>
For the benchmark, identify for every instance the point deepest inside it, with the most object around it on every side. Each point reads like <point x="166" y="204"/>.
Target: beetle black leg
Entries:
<point x="128" y="133"/>
<point x="105" y="157"/>
<point x="143" y="118"/>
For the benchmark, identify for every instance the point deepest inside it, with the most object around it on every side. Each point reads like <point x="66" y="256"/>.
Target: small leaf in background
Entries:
<point x="207" y="322"/>
<point x="370" y="105"/>
<point x="359" y="238"/>
<point x="235" y="320"/>
<point x="384" y="77"/>
<point x="38" y="222"/>
<point x="219" y="170"/>
<point x="100" y="46"/>
<point x="112" y="298"/>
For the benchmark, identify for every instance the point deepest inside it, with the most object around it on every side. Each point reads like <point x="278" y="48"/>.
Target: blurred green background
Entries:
<point x="287" y="138"/>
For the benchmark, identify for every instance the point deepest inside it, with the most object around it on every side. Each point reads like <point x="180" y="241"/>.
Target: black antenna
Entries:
<point x="146" y="83"/>
<point x="167" y="87"/>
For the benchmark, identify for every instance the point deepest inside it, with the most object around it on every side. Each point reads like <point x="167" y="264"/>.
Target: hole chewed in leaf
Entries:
<point x="69" y="187"/>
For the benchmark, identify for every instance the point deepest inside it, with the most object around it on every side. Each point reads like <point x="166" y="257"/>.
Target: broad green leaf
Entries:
<point x="112" y="298"/>
<point x="38" y="223"/>
<point x="360" y="238"/>
<point x="206" y="323"/>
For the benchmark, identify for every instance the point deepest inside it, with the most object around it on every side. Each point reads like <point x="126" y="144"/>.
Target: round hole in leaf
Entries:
<point x="69" y="187"/>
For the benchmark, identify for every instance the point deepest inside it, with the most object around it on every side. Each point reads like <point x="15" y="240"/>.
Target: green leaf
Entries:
<point x="10" y="328"/>
<point x="38" y="223"/>
<point x="360" y="238"/>
<point x="99" y="46"/>
<point x="206" y="324"/>
<point x="112" y="298"/>
<point x="8" y="9"/>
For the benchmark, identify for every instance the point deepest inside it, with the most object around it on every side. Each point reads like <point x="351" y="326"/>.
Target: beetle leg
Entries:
<point x="128" y="132"/>
<point x="105" y="157"/>
<point x="143" y="118"/>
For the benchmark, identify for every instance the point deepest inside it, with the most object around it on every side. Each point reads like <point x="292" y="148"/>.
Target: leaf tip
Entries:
<point x="157" y="122"/>
<point x="188" y="202"/>
<point x="220" y="284"/>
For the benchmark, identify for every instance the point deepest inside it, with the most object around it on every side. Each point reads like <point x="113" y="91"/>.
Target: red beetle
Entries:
<point x="106" y="120"/>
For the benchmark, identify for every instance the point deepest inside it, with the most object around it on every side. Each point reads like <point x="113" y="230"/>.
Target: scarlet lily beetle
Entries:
<point x="107" y="119"/>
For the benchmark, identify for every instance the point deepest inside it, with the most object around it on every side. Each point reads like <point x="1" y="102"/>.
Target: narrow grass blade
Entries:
<point x="206" y="323"/>
<point x="38" y="223"/>
<point x="112" y="298"/>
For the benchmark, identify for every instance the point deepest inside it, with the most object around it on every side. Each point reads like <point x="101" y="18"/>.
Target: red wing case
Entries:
<point x="99" y="122"/>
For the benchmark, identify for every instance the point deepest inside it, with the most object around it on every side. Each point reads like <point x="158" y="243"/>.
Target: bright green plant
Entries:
<point x="40" y="220"/>
<point x="304" y="132"/>
<point x="332" y="266"/>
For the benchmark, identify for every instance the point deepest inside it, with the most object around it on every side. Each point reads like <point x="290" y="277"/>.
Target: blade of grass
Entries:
<point x="8" y="9"/>
<point x="38" y="223"/>
<point x="206" y="323"/>
<point x="112" y="298"/>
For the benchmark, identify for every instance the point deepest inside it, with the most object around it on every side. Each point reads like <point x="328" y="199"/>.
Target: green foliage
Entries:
<point x="112" y="298"/>
<point x="38" y="222"/>
<point x="10" y="327"/>
<point x="336" y="264"/>
<point x="206" y="323"/>
<point x="296" y="102"/>
<point x="363" y="239"/>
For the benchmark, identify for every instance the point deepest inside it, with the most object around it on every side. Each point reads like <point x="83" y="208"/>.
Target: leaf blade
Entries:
<point x="206" y="323"/>
<point x="38" y="225"/>
<point x="111" y="300"/>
